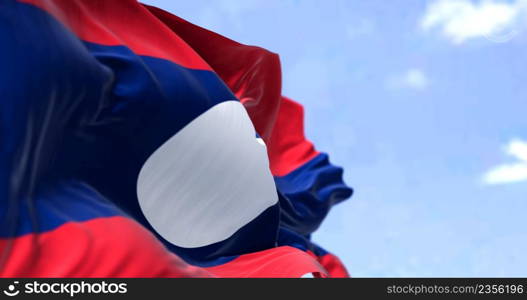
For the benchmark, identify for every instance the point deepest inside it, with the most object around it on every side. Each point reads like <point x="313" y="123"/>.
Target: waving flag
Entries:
<point x="136" y="144"/>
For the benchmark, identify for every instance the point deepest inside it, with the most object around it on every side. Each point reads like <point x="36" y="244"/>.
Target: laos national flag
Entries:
<point x="136" y="144"/>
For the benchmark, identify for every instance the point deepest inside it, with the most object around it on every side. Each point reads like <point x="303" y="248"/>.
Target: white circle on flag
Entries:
<point x="208" y="180"/>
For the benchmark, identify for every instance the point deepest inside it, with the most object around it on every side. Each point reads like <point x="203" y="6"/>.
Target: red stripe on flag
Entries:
<point x="288" y="148"/>
<point x="123" y="22"/>
<point x="285" y="261"/>
<point x="102" y="247"/>
<point x="334" y="266"/>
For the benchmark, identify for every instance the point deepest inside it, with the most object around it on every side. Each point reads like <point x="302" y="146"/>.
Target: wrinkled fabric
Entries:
<point x="91" y="90"/>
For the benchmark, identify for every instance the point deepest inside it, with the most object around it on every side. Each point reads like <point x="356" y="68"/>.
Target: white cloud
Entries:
<point x="461" y="20"/>
<point x="518" y="149"/>
<point x="513" y="172"/>
<point x="412" y="78"/>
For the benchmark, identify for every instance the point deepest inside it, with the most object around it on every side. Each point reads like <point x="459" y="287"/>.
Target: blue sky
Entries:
<point x="424" y="105"/>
